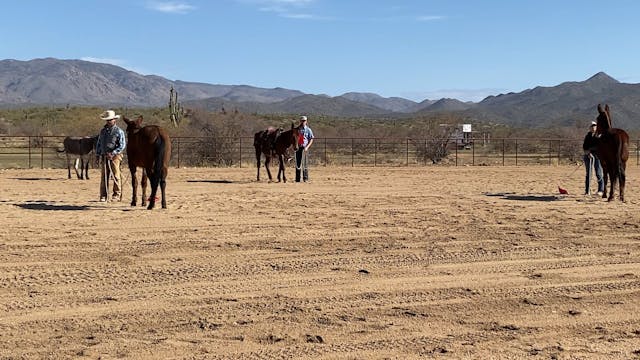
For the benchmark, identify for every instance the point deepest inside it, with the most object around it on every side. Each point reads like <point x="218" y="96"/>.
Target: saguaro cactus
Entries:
<point x="175" y="109"/>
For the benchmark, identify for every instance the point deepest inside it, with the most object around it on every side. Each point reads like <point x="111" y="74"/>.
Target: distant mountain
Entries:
<point x="59" y="82"/>
<point x="563" y="104"/>
<point x="304" y="104"/>
<point x="395" y="104"/>
<point x="52" y="81"/>
<point x="448" y="105"/>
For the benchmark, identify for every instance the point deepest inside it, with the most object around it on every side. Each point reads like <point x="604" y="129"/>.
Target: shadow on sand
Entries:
<point x="35" y="178"/>
<point x="49" y="206"/>
<point x="513" y="196"/>
<point x="212" y="181"/>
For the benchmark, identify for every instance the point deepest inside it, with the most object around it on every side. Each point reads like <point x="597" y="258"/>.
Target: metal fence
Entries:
<point x="43" y="152"/>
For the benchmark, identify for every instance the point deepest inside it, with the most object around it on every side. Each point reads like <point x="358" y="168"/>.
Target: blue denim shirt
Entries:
<point x="111" y="140"/>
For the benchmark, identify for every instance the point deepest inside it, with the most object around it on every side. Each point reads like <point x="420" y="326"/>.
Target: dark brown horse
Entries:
<point x="612" y="148"/>
<point x="275" y="142"/>
<point x="148" y="147"/>
<point x="82" y="147"/>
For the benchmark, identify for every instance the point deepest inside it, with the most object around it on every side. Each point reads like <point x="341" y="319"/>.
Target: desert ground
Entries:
<point x="469" y="262"/>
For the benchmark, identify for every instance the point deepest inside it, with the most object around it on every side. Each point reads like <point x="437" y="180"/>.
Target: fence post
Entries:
<point x="473" y="152"/>
<point x="325" y="152"/>
<point x="240" y="151"/>
<point x="41" y="152"/>
<point x="407" y="152"/>
<point x="503" y="152"/>
<point x="29" y="150"/>
<point x="455" y="146"/>
<point x="516" y="152"/>
<point x="352" y="150"/>
<point x="375" y="152"/>
<point x="550" y="146"/>
<point x="178" y="153"/>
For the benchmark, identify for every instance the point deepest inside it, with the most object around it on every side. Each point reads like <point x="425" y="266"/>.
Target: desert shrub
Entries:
<point x="431" y="137"/>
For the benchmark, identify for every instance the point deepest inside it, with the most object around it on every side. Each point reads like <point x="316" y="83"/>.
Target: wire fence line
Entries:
<point x="44" y="152"/>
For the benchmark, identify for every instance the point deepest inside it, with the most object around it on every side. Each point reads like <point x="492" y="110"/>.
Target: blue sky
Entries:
<point x="416" y="49"/>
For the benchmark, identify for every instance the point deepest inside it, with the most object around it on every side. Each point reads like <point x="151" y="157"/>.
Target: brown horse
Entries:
<point x="275" y="142"/>
<point x="148" y="147"/>
<point x="612" y="148"/>
<point x="82" y="147"/>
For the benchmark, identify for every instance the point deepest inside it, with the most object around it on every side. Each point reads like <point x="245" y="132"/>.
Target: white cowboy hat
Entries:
<point x="303" y="118"/>
<point x="109" y="115"/>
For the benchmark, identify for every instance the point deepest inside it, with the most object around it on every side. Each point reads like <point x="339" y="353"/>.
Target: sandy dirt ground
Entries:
<point x="360" y="263"/>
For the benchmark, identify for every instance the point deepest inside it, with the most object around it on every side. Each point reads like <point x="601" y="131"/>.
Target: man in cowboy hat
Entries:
<point x="305" y="140"/>
<point x="591" y="161"/>
<point x="109" y="147"/>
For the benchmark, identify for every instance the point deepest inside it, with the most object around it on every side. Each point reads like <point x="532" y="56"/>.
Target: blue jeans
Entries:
<point x="302" y="164"/>
<point x="590" y="162"/>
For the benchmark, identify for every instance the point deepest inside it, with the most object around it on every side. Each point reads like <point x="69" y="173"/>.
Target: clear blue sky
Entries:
<point x="416" y="49"/>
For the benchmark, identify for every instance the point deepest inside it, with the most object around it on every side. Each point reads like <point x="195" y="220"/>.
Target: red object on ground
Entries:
<point x="563" y="191"/>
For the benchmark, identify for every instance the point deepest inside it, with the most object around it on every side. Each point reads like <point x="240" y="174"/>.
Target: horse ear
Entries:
<point x="600" y="109"/>
<point x="292" y="126"/>
<point x="606" y="108"/>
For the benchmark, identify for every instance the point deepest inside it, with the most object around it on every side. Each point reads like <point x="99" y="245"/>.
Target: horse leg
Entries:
<point x="281" y="168"/>
<point x="613" y="176"/>
<point x="266" y="165"/>
<point x="163" y="185"/>
<point x="134" y="185"/>
<point x="258" y="164"/>
<point x="154" y="178"/>
<point x="622" y="176"/>
<point x="86" y="166"/>
<point x="75" y="167"/>
<point x="68" y="167"/>
<point x="143" y="185"/>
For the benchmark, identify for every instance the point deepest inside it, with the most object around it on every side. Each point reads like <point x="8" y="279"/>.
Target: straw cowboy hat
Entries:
<point x="109" y="115"/>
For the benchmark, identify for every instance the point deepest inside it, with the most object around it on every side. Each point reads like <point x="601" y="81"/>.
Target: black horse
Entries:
<point x="612" y="148"/>
<point x="274" y="142"/>
<point x="82" y="147"/>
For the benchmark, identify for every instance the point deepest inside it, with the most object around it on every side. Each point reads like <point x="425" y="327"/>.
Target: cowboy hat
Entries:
<point x="109" y="115"/>
<point x="303" y="118"/>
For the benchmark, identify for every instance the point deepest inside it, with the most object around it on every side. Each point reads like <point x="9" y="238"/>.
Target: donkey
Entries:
<point x="612" y="148"/>
<point x="274" y="142"/>
<point x="148" y="147"/>
<point x="81" y="146"/>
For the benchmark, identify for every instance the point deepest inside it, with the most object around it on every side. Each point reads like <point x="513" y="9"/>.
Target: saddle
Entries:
<point x="270" y="136"/>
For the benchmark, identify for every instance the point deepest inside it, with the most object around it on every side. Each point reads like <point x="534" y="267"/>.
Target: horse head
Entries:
<point x="603" y="120"/>
<point x="295" y="135"/>
<point x="133" y="125"/>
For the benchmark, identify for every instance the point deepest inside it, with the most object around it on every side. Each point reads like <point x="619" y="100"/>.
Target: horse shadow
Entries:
<point x="211" y="181"/>
<point x="51" y="207"/>
<point x="514" y="196"/>
<point x="35" y="179"/>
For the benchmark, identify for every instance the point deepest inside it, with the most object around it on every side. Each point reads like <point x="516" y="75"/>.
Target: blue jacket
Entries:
<point x="110" y="140"/>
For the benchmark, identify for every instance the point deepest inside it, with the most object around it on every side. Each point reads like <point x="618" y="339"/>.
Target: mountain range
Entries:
<point x="52" y="81"/>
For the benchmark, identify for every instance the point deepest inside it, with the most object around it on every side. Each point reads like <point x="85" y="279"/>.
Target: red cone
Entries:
<point x="563" y="191"/>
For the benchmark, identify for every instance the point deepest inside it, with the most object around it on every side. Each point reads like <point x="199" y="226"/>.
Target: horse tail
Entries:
<point x="160" y="146"/>
<point x="256" y="139"/>
<point x="622" y="146"/>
